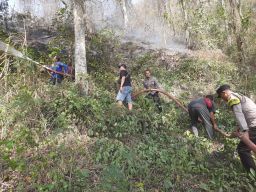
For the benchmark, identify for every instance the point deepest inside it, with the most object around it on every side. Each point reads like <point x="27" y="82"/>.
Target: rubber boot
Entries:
<point x="195" y="131"/>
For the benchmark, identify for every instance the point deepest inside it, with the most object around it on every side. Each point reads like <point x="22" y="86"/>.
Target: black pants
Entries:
<point x="55" y="80"/>
<point x="204" y="114"/>
<point x="156" y="99"/>
<point x="245" y="153"/>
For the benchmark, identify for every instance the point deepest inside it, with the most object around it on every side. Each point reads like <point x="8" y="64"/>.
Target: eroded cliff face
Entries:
<point x="142" y="21"/>
<point x="43" y="9"/>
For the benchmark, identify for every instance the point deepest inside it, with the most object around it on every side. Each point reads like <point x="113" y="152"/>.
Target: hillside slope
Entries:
<point x="53" y="139"/>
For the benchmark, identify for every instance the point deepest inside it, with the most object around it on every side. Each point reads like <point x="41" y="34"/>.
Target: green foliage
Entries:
<point x="114" y="180"/>
<point x="102" y="58"/>
<point x="3" y="35"/>
<point x="208" y="71"/>
<point x="54" y="139"/>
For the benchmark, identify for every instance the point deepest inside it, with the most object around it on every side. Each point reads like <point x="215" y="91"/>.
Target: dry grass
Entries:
<point x="216" y="55"/>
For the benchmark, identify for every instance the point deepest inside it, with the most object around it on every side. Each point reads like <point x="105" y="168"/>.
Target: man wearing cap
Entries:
<point x="150" y="82"/>
<point x="244" y="110"/>
<point x="125" y="90"/>
<point x="203" y="109"/>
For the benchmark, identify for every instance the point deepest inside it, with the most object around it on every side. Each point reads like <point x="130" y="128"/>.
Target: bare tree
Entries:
<point x="123" y="4"/>
<point x="224" y="7"/>
<point x="171" y="17"/>
<point x="186" y="22"/>
<point x="80" y="45"/>
<point x="235" y="6"/>
<point x="4" y="13"/>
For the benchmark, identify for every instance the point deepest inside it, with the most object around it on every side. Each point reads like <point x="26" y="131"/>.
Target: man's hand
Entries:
<point x="235" y="133"/>
<point x="244" y="137"/>
<point x="238" y="134"/>
<point x="243" y="134"/>
<point x="227" y="135"/>
<point x="121" y="89"/>
<point x="215" y="127"/>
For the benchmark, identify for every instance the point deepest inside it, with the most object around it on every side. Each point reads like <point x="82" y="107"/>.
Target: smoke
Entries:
<point x="12" y="51"/>
<point x="146" y="23"/>
<point x="43" y="9"/>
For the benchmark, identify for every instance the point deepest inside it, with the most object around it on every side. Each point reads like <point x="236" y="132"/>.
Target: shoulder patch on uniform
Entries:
<point x="233" y="101"/>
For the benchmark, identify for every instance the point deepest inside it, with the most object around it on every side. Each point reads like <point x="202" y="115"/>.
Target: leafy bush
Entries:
<point x="54" y="139"/>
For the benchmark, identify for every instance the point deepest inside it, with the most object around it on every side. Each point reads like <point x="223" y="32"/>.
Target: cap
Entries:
<point x="222" y="88"/>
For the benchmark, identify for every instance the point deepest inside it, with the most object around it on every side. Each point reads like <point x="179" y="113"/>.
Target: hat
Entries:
<point x="222" y="88"/>
<point x="122" y="65"/>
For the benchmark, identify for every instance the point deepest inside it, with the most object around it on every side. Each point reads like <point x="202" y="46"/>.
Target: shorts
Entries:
<point x="125" y="95"/>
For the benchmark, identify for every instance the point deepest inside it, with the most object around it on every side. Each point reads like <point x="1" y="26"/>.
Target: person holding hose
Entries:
<point x="244" y="110"/>
<point x="151" y="82"/>
<point x="58" y="66"/>
<point x="203" y="110"/>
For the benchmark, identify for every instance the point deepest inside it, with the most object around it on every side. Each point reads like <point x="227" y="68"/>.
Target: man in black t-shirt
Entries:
<point x="125" y="90"/>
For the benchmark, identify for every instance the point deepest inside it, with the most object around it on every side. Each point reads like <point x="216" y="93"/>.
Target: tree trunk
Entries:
<point x="237" y="28"/>
<point x="228" y="31"/>
<point x="185" y="14"/>
<point x="169" y="10"/>
<point x="80" y="47"/>
<point x="159" y="8"/>
<point x="4" y="12"/>
<point x="124" y="11"/>
<point x="129" y="4"/>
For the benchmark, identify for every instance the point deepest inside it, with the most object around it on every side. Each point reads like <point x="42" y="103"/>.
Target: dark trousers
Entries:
<point x="245" y="153"/>
<point x="55" y="80"/>
<point x="204" y="114"/>
<point x="156" y="99"/>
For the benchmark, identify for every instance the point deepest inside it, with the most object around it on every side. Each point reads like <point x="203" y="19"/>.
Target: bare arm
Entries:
<point x="122" y="82"/>
<point x="215" y="127"/>
<point x="213" y="120"/>
<point x="244" y="137"/>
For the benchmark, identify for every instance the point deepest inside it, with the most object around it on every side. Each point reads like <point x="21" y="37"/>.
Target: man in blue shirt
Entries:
<point x="58" y="66"/>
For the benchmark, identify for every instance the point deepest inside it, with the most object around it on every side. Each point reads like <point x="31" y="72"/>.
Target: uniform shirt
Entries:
<point x="127" y="81"/>
<point x="244" y="110"/>
<point x="150" y="83"/>
<point x="203" y="103"/>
